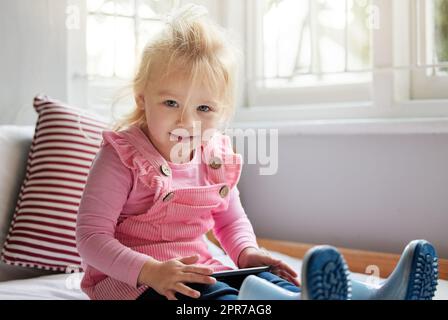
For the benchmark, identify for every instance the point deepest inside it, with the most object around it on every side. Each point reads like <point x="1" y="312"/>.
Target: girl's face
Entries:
<point x="180" y="115"/>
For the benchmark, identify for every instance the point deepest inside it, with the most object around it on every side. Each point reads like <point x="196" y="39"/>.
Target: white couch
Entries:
<point x="15" y="142"/>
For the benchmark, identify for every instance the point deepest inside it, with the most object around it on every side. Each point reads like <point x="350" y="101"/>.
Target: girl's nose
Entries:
<point x="186" y="119"/>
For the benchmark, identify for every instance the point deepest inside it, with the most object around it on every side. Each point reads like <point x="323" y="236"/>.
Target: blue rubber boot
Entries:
<point x="414" y="278"/>
<point x="324" y="277"/>
<point x="256" y="288"/>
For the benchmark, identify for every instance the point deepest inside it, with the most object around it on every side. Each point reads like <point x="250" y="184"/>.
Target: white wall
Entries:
<point x="32" y="56"/>
<point x="374" y="192"/>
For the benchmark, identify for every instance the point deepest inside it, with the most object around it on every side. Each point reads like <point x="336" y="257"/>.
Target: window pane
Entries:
<point x="359" y="36"/>
<point x="314" y="40"/>
<point x="97" y="5"/>
<point x="120" y="7"/>
<point x="124" y="47"/>
<point x="152" y="8"/>
<point x="110" y="40"/>
<point x="441" y="33"/>
<point x="100" y="45"/>
<point x="147" y="29"/>
<point x="115" y="37"/>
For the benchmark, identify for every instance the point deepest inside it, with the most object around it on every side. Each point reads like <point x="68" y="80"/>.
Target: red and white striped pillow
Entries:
<point x="42" y="232"/>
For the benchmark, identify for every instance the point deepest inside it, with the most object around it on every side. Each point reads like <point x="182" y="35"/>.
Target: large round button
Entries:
<point x="168" y="196"/>
<point x="165" y="170"/>
<point x="215" y="163"/>
<point x="224" y="191"/>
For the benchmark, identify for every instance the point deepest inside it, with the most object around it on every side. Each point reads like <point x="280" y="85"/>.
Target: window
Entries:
<point x="305" y="59"/>
<point x="117" y="31"/>
<point x="305" y="44"/>
<point x="430" y="78"/>
<point x="346" y="58"/>
<point x="114" y="34"/>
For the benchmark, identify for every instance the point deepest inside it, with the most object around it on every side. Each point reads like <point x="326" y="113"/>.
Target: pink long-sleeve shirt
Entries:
<point x="130" y="211"/>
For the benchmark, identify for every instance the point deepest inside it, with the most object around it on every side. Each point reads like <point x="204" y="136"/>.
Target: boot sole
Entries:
<point x="325" y="275"/>
<point x="424" y="273"/>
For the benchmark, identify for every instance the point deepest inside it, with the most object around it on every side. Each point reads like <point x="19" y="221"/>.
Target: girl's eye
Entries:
<point x="204" y="108"/>
<point x="171" y="103"/>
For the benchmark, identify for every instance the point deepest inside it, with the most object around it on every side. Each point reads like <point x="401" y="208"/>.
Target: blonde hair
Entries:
<point x="203" y="50"/>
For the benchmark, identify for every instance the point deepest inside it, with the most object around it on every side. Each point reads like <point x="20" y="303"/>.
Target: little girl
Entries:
<point x="166" y="176"/>
<point x="157" y="186"/>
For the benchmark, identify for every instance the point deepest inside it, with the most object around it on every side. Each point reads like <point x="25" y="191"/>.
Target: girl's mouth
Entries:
<point x="175" y="137"/>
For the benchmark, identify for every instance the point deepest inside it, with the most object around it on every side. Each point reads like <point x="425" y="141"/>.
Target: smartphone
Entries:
<point x="240" y="272"/>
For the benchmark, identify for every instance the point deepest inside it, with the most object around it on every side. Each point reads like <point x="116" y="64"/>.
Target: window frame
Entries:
<point x="88" y="90"/>
<point x="391" y="97"/>
<point x="391" y="91"/>
<point x="358" y="91"/>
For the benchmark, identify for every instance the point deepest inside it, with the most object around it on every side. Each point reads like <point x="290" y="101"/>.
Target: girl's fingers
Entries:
<point x="287" y="268"/>
<point x="277" y="264"/>
<point x="197" y="269"/>
<point x="274" y="262"/>
<point x="187" y="291"/>
<point x="292" y="279"/>
<point x="286" y="276"/>
<point x="190" y="259"/>
<point x="196" y="278"/>
<point x="270" y="260"/>
<point x="170" y="295"/>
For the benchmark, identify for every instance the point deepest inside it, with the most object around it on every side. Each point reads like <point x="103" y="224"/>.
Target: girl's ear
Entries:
<point x="140" y="101"/>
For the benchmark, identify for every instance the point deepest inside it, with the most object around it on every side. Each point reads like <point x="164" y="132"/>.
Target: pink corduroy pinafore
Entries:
<point x="176" y="222"/>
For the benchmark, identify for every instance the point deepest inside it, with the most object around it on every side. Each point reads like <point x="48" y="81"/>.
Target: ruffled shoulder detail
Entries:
<point x="133" y="159"/>
<point x="219" y="152"/>
<point x="128" y="154"/>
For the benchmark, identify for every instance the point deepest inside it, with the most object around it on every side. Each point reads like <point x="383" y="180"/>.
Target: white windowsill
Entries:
<point x="403" y="117"/>
<point x="352" y="126"/>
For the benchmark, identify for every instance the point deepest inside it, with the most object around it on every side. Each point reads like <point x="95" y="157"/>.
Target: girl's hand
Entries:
<point x="253" y="257"/>
<point x="168" y="277"/>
